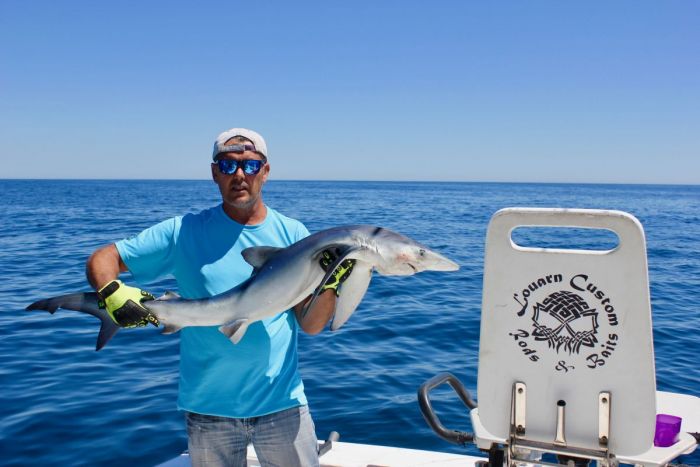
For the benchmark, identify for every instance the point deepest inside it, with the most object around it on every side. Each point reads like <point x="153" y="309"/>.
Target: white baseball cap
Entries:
<point x="255" y="138"/>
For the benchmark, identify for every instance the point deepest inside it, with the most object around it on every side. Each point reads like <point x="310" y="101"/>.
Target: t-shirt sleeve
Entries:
<point x="150" y="255"/>
<point x="302" y="232"/>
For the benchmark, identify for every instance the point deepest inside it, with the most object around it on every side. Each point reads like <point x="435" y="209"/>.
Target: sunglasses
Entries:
<point x="249" y="166"/>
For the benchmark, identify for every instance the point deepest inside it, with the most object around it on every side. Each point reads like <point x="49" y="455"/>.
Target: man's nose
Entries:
<point x="239" y="173"/>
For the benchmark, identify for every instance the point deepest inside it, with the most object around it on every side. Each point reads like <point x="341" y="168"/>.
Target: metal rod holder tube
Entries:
<point x="560" y="438"/>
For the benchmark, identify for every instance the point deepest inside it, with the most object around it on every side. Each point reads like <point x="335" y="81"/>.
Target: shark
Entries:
<point x="281" y="279"/>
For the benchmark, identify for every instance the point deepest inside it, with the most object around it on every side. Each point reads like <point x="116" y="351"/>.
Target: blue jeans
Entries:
<point x="284" y="439"/>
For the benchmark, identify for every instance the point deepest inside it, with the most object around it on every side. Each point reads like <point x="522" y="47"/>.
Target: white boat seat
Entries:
<point x="569" y="325"/>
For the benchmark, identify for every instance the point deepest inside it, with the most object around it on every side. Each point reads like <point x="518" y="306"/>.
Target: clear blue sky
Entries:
<point x="539" y="91"/>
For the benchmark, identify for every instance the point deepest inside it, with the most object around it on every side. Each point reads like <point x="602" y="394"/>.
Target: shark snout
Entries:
<point x="419" y="260"/>
<point x="437" y="262"/>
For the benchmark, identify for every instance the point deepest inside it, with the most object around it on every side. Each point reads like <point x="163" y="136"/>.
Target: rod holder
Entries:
<point x="560" y="438"/>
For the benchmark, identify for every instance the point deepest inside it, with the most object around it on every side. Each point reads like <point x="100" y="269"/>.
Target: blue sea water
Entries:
<point x="65" y="404"/>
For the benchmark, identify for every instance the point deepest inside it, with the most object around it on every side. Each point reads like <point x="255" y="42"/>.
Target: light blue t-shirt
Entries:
<point x="255" y="377"/>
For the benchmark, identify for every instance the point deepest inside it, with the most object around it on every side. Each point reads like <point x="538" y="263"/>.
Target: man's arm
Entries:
<point x="123" y="303"/>
<point x="316" y="318"/>
<point x="104" y="266"/>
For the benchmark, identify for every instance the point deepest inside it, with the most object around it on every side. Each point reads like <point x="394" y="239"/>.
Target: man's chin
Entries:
<point x="241" y="202"/>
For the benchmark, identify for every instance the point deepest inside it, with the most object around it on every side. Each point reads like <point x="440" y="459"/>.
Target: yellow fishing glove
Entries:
<point x="124" y="304"/>
<point x="341" y="273"/>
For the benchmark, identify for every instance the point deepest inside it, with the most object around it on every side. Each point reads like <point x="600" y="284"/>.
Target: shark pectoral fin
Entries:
<point x="329" y="272"/>
<point x="170" y="328"/>
<point x="235" y="330"/>
<point x="351" y="293"/>
<point x="85" y="303"/>
<point x="256" y="256"/>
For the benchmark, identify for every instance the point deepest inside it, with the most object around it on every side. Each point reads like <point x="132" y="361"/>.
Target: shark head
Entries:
<point x="400" y="256"/>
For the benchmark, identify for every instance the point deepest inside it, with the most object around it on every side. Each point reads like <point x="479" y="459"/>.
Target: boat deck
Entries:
<point x="365" y="455"/>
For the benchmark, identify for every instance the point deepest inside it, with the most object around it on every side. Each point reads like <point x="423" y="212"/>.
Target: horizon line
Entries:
<point x="361" y="181"/>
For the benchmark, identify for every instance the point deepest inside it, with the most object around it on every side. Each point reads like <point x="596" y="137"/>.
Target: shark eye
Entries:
<point x="421" y="252"/>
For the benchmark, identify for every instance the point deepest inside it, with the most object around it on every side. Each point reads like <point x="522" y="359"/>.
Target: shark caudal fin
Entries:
<point x="85" y="303"/>
<point x="235" y="329"/>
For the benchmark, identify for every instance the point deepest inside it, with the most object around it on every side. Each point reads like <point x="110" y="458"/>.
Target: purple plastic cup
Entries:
<point x="667" y="429"/>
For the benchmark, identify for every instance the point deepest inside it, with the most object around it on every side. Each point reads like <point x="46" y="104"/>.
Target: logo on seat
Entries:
<point x="568" y="324"/>
<point x="565" y="321"/>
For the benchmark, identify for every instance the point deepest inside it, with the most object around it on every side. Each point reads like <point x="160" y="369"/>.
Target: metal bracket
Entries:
<point x="519" y="409"/>
<point x="520" y="449"/>
<point x="604" y="418"/>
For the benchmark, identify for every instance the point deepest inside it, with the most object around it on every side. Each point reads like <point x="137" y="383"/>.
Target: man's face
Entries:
<point x="239" y="190"/>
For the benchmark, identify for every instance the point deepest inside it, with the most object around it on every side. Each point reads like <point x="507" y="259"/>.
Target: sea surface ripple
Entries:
<point x="63" y="403"/>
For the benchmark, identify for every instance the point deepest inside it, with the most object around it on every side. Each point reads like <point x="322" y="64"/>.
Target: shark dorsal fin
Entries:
<point x="256" y="256"/>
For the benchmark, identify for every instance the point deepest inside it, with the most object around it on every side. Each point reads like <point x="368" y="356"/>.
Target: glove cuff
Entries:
<point x="334" y="287"/>
<point x="109" y="289"/>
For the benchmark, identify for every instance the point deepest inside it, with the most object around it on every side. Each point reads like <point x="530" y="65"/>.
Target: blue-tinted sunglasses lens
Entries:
<point x="229" y="166"/>
<point x="252" y="167"/>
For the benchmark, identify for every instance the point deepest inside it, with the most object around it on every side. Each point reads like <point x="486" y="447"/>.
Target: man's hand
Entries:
<point x="124" y="304"/>
<point x="341" y="273"/>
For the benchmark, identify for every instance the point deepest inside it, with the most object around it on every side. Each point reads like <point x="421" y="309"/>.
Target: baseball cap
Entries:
<point x="255" y="138"/>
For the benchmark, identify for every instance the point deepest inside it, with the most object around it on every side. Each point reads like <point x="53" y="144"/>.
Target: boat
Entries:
<point x="566" y="371"/>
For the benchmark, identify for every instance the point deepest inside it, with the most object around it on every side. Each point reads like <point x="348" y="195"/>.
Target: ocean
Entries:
<point x="63" y="403"/>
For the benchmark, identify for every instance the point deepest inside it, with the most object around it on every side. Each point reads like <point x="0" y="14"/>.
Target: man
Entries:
<point x="232" y="395"/>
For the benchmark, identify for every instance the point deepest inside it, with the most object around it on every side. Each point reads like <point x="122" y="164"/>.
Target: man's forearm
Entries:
<point x="103" y="266"/>
<point x="316" y="318"/>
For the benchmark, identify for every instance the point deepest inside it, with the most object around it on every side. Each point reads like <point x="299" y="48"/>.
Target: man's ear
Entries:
<point x="213" y="172"/>
<point x="265" y="172"/>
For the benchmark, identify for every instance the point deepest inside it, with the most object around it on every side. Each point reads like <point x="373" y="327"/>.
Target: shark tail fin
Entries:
<point x="107" y="330"/>
<point x="85" y="303"/>
<point x="235" y="329"/>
